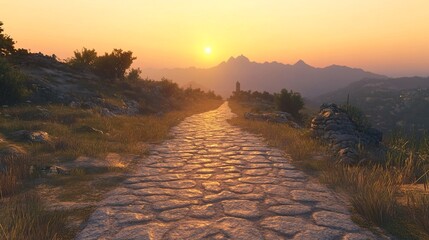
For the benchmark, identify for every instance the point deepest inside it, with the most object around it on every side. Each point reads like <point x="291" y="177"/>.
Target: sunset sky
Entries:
<point x="384" y="36"/>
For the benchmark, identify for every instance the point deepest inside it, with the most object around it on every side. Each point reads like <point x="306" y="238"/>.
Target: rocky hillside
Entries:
<point x="51" y="81"/>
<point x="389" y="104"/>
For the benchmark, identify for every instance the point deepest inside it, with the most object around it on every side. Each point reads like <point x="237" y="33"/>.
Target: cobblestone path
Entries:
<point x="215" y="181"/>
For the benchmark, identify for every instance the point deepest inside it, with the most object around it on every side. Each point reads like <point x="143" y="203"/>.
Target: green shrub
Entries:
<point x="12" y="87"/>
<point x="114" y="65"/>
<point x="289" y="101"/>
<point x="84" y="59"/>
<point x="110" y="65"/>
<point x="134" y="74"/>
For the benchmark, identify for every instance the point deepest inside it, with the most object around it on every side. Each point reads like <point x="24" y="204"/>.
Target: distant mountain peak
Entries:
<point x="238" y="59"/>
<point x="301" y="63"/>
<point x="268" y="76"/>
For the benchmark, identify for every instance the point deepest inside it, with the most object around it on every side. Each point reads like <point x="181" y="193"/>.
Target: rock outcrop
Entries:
<point x="275" y="117"/>
<point x="333" y="124"/>
<point x="32" y="136"/>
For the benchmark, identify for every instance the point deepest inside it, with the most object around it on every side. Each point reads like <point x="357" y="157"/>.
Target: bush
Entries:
<point x="134" y="74"/>
<point x="115" y="64"/>
<point x="289" y="101"/>
<point x="84" y="59"/>
<point x="111" y="65"/>
<point x="12" y="87"/>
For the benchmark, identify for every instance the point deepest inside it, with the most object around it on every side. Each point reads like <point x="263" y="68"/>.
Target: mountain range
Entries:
<point x="269" y="76"/>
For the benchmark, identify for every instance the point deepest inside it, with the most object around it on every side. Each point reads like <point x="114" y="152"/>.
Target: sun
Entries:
<point x="208" y="50"/>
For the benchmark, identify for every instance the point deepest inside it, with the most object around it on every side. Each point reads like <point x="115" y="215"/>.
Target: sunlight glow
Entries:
<point x="205" y="33"/>
<point x="208" y="50"/>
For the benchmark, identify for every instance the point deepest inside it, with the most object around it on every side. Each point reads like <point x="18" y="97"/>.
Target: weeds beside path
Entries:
<point x="23" y="210"/>
<point x="375" y="192"/>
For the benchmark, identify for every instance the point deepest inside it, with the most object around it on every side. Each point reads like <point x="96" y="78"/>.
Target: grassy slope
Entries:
<point x="374" y="191"/>
<point x="22" y="213"/>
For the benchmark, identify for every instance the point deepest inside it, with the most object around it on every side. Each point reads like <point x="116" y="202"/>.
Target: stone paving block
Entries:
<point x="215" y="181"/>
<point x="241" y="208"/>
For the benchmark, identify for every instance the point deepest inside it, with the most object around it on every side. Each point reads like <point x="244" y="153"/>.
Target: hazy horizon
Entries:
<point x="384" y="37"/>
<point x="284" y="63"/>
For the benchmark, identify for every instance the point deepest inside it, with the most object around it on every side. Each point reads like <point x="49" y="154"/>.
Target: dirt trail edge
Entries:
<point x="215" y="181"/>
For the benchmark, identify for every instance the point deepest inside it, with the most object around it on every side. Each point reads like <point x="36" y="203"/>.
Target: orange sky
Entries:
<point x="384" y="36"/>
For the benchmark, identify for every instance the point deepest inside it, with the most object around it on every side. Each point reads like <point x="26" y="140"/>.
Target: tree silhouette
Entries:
<point x="115" y="64"/>
<point x="289" y="101"/>
<point x="6" y="43"/>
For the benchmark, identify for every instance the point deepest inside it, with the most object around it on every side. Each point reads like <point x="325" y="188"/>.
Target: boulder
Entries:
<point x="50" y="170"/>
<point x="131" y="107"/>
<point x="332" y="124"/>
<point x="32" y="136"/>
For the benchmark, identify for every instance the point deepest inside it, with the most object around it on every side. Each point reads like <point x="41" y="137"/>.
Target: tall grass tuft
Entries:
<point x="418" y="206"/>
<point x="16" y="169"/>
<point x="411" y="155"/>
<point x="372" y="190"/>
<point x="375" y="189"/>
<point x="24" y="217"/>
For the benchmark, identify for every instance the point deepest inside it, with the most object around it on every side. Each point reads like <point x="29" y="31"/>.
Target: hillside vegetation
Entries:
<point x="388" y="190"/>
<point x="389" y="104"/>
<point x="70" y="131"/>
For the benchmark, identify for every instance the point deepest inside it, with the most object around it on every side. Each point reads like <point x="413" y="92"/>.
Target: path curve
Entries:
<point x="215" y="181"/>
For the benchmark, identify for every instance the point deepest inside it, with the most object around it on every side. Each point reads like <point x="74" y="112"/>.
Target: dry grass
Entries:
<point x="16" y="169"/>
<point x="373" y="190"/>
<point x="418" y="206"/>
<point x="23" y="215"/>
<point x="122" y="133"/>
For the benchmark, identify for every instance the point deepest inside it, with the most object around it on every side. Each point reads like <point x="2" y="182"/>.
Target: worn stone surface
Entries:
<point x="290" y="210"/>
<point x="241" y="208"/>
<point x="334" y="125"/>
<point x="214" y="181"/>
<point x="334" y="220"/>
